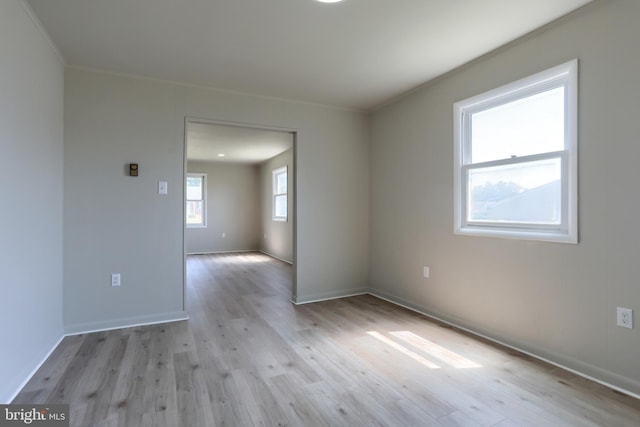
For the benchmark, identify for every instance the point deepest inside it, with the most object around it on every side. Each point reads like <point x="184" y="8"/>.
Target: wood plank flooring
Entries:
<point x="248" y="357"/>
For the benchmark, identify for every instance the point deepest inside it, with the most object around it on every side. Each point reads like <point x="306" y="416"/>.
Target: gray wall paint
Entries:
<point x="116" y="223"/>
<point x="233" y="203"/>
<point x="277" y="236"/>
<point x="31" y="134"/>
<point x="556" y="300"/>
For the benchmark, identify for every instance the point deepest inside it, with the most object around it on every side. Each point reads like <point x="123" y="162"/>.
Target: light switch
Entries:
<point x="162" y="187"/>
<point x="115" y="279"/>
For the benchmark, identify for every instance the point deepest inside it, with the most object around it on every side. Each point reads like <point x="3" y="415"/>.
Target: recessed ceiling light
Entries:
<point x="221" y="155"/>
<point x="328" y="1"/>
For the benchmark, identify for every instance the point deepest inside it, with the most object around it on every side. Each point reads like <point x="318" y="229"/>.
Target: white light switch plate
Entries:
<point x="162" y="187"/>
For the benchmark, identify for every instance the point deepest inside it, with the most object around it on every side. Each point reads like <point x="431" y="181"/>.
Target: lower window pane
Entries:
<point x="194" y="213"/>
<point x="280" y="208"/>
<point x="528" y="193"/>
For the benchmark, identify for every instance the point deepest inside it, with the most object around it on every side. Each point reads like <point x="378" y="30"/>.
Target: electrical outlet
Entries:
<point x="426" y="272"/>
<point x="115" y="279"/>
<point x="625" y="317"/>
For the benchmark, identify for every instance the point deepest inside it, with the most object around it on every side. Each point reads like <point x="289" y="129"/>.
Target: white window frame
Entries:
<point x="567" y="232"/>
<point x="275" y="173"/>
<point x="202" y="176"/>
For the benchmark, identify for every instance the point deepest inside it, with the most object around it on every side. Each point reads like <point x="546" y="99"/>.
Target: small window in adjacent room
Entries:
<point x="516" y="159"/>
<point x="196" y="200"/>
<point x="280" y="212"/>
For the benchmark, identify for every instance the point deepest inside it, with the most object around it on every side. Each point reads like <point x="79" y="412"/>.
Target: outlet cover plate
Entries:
<point x="115" y="279"/>
<point x="624" y="317"/>
<point x="425" y="272"/>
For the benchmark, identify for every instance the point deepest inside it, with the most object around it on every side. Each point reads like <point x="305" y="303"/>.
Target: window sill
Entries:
<point x="518" y="234"/>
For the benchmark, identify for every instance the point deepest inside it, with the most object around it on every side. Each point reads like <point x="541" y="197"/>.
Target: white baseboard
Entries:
<point x="243" y="251"/>
<point x="223" y="252"/>
<point x="420" y="310"/>
<point x="34" y="370"/>
<point x="275" y="257"/>
<point x="87" y="328"/>
<point x="329" y="296"/>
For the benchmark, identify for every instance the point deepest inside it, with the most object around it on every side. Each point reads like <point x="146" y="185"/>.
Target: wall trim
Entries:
<point x="216" y="89"/>
<point x="34" y="18"/>
<point x="34" y="370"/>
<point x="329" y="296"/>
<point x="420" y="310"/>
<point x="108" y="325"/>
<point x="223" y="252"/>
<point x="275" y="257"/>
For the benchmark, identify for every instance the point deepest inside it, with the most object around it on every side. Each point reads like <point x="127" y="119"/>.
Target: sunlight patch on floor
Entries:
<point x="426" y="347"/>
<point x="447" y="356"/>
<point x="404" y="350"/>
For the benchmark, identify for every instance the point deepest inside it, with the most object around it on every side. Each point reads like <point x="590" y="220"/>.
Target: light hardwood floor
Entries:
<point x="247" y="357"/>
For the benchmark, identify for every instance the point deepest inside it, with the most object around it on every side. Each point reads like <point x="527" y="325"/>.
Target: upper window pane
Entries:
<point x="194" y="188"/>
<point x="530" y="125"/>
<point x="281" y="183"/>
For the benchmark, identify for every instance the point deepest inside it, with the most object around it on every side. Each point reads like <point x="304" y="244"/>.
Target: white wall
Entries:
<point x="277" y="236"/>
<point x="116" y="223"/>
<point x="555" y="300"/>
<point x="233" y="208"/>
<point x="31" y="134"/>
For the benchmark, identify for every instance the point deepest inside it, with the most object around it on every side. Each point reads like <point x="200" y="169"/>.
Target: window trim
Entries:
<point x="203" y="176"/>
<point x="274" y="177"/>
<point x="567" y="232"/>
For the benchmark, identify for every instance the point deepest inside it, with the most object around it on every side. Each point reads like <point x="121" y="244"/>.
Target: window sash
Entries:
<point x="470" y="110"/>
<point x="564" y="188"/>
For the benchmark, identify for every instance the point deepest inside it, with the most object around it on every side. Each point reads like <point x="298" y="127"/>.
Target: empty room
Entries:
<point x="319" y="213"/>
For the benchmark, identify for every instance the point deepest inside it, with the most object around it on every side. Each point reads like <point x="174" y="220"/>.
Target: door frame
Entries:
<point x="294" y="205"/>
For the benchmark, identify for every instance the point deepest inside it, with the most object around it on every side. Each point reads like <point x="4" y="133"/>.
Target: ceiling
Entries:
<point x="355" y="54"/>
<point x="238" y="144"/>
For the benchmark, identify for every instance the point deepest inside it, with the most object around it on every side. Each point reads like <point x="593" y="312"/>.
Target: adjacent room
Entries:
<point x="238" y="187"/>
<point x="312" y="212"/>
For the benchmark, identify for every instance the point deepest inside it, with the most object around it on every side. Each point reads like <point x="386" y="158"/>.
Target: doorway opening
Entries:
<point x="239" y="192"/>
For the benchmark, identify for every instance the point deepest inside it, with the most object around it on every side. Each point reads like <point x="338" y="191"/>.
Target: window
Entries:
<point x="516" y="159"/>
<point x="196" y="200"/>
<point x="280" y="194"/>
